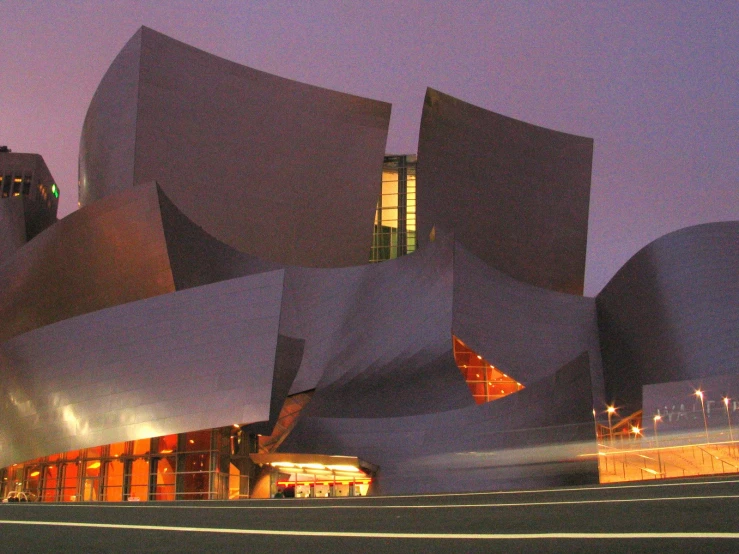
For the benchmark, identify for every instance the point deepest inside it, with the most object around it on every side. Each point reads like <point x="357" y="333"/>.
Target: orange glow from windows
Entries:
<point x="485" y="381"/>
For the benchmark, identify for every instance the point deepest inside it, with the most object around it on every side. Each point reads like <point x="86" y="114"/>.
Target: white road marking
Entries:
<point x="296" y="504"/>
<point x="452" y="536"/>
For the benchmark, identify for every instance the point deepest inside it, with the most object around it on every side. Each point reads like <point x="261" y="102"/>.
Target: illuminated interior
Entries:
<point x="395" y="218"/>
<point x="212" y="464"/>
<point x="315" y="475"/>
<point x="486" y="382"/>
<point x="198" y="465"/>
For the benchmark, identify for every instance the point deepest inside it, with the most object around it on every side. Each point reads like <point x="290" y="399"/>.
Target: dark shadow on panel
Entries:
<point x="405" y="386"/>
<point x="196" y="257"/>
<point x="288" y="357"/>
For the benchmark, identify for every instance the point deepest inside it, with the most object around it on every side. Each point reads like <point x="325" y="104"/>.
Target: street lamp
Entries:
<point x="610" y="410"/>
<point x="699" y="394"/>
<point x="657" y="418"/>
<point x="728" y="416"/>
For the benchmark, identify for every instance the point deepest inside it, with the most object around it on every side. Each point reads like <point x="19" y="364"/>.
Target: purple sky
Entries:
<point x="656" y="84"/>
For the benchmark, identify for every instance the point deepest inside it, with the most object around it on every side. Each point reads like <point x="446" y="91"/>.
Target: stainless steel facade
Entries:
<point x="185" y="361"/>
<point x="278" y="169"/>
<point x="672" y="312"/>
<point x="516" y="195"/>
<point x="177" y="299"/>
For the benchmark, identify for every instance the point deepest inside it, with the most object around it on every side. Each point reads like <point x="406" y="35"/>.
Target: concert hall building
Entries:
<point x="253" y="299"/>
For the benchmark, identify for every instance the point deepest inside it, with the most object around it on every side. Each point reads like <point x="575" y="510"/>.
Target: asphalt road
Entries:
<point x="689" y="516"/>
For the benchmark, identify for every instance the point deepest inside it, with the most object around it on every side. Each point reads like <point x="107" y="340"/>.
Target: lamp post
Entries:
<point x="656" y="443"/>
<point x="728" y="416"/>
<point x="610" y="410"/>
<point x="699" y="394"/>
<point x="597" y="443"/>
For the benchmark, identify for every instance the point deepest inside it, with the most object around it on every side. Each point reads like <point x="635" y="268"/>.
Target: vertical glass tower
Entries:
<point x="395" y="219"/>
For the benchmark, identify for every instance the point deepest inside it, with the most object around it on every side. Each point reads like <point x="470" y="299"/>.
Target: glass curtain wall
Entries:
<point x="395" y="218"/>
<point x="485" y="381"/>
<point x="200" y="465"/>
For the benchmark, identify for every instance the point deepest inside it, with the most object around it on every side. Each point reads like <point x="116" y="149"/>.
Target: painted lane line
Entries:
<point x="355" y="534"/>
<point x="284" y="505"/>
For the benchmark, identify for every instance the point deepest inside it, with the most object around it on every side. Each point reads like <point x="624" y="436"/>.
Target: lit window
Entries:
<point x="485" y="381"/>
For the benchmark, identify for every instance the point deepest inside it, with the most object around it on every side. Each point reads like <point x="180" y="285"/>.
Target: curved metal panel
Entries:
<point x="281" y="170"/>
<point x="194" y="359"/>
<point x="109" y="253"/>
<point x="672" y="312"/>
<point x="107" y="143"/>
<point x="527" y="331"/>
<point x="378" y="337"/>
<point x="515" y="194"/>
<point x="534" y="438"/>
<point x="196" y="258"/>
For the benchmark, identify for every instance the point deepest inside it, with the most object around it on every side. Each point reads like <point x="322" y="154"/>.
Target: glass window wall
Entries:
<point x="395" y="218"/>
<point x="199" y="465"/>
<point x="485" y="381"/>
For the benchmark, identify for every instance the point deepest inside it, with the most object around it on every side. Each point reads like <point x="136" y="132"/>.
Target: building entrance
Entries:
<point x="312" y="476"/>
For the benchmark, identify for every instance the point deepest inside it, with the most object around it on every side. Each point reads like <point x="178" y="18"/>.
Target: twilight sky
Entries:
<point x="656" y="84"/>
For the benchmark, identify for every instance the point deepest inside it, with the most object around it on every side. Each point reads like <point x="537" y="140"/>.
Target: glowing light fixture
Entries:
<point x="343" y="468"/>
<point x="610" y="410"/>
<point x="699" y="394"/>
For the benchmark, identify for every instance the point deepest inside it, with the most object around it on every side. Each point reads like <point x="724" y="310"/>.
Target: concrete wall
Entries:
<point x="39" y="209"/>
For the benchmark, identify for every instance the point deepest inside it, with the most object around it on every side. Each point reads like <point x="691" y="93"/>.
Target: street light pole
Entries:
<point x="699" y="394"/>
<point x="728" y="416"/>
<point x="611" y="410"/>
<point x="656" y="443"/>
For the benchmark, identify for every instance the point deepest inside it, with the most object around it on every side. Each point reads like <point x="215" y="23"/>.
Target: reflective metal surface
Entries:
<point x="179" y="362"/>
<point x="672" y="312"/>
<point x="516" y="195"/>
<point x="282" y="170"/>
<point x="107" y="254"/>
